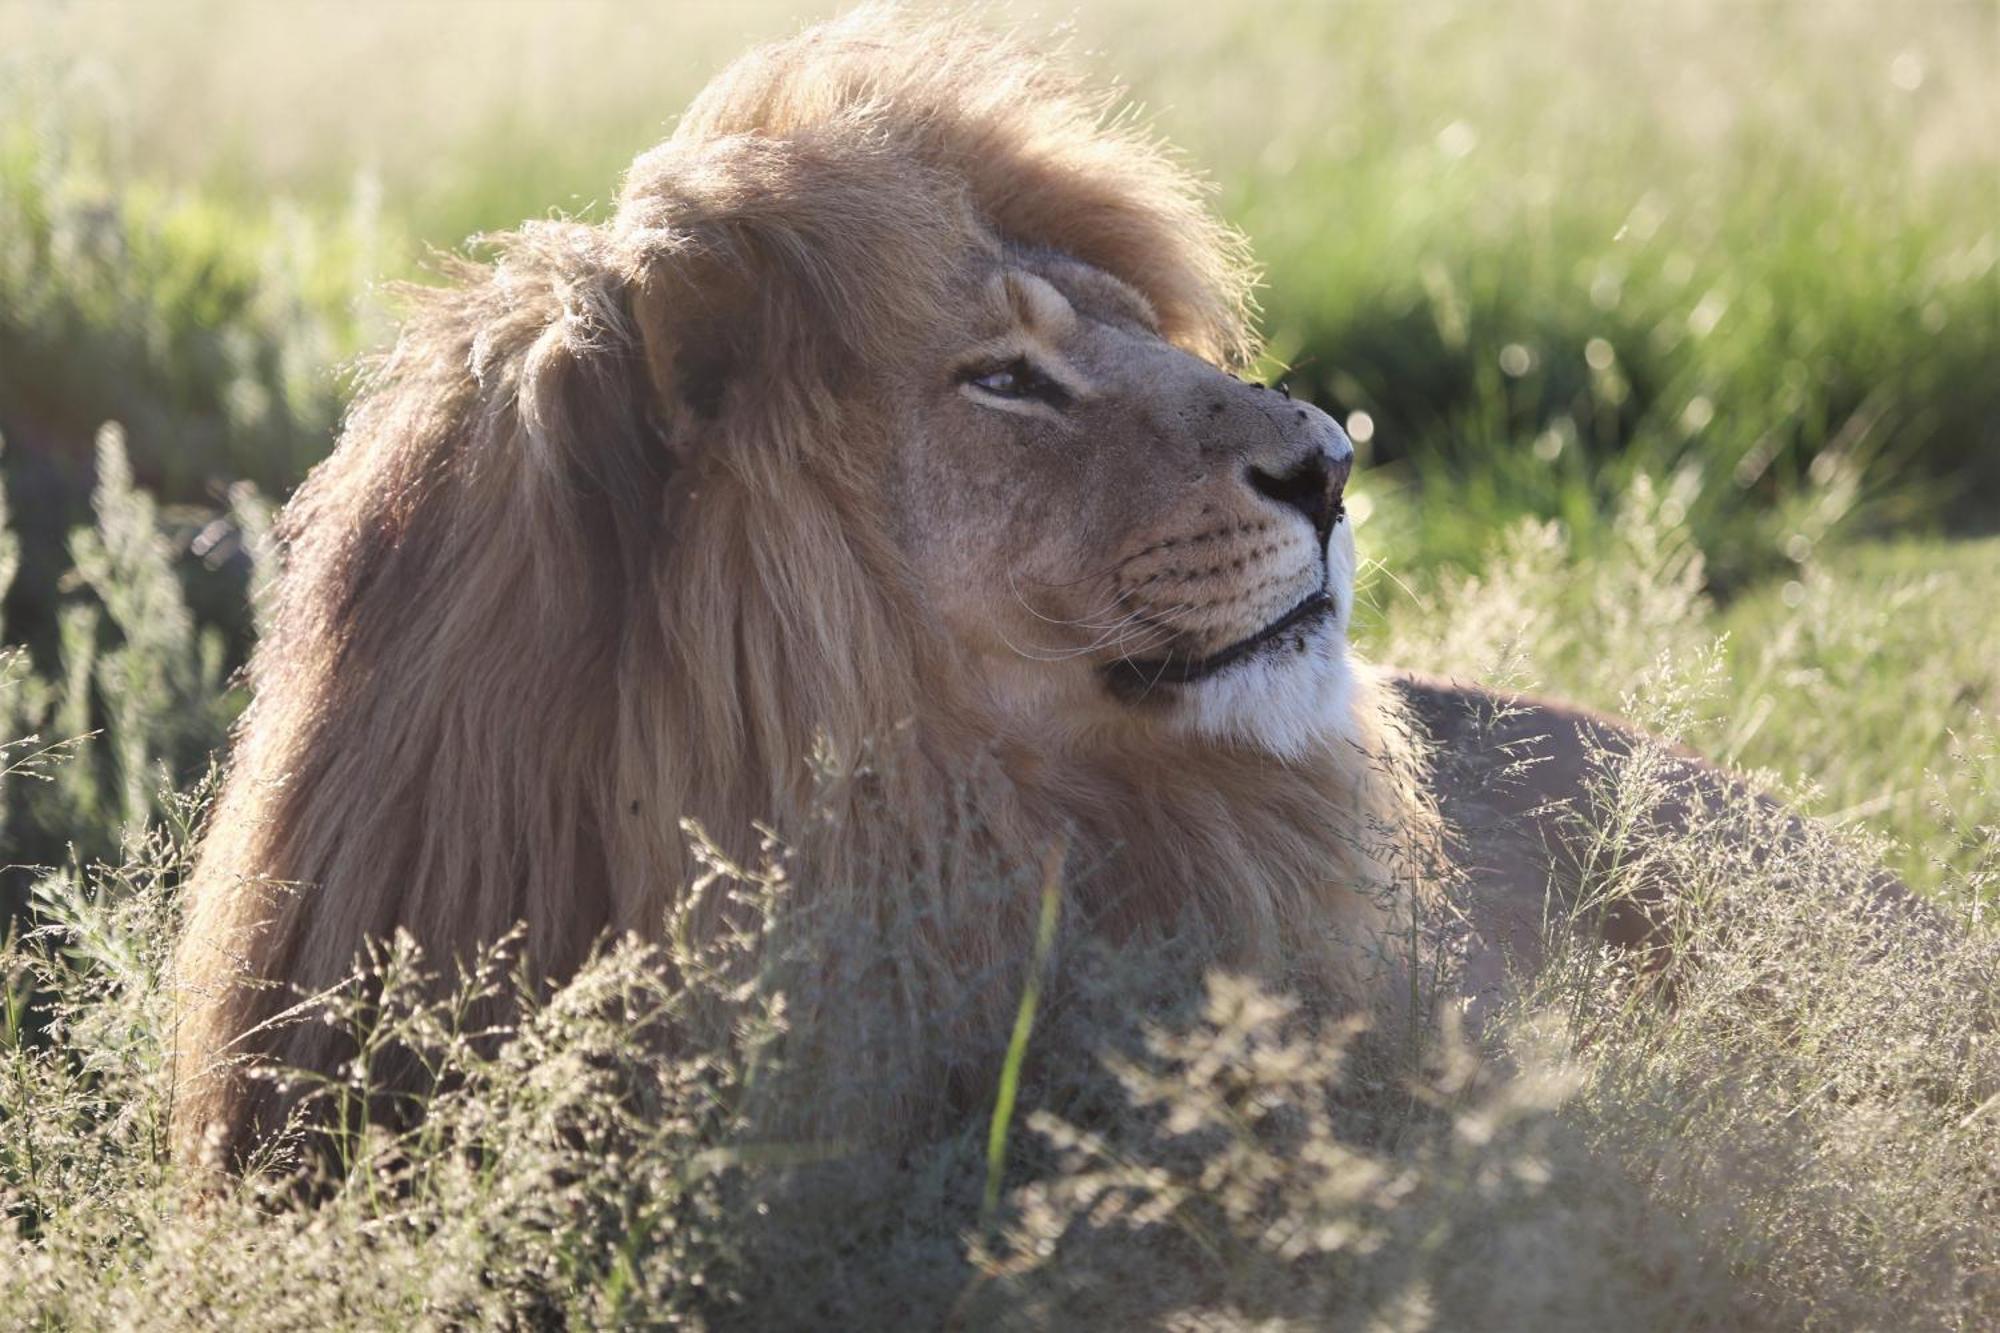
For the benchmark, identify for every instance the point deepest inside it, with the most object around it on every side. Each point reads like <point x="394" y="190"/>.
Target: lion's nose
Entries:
<point x="1312" y="486"/>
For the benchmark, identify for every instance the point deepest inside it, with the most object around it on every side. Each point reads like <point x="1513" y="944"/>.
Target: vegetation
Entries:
<point x="1670" y="329"/>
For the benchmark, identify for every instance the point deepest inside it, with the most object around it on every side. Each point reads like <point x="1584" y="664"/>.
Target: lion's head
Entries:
<point x="893" y="407"/>
<point x="1111" y="532"/>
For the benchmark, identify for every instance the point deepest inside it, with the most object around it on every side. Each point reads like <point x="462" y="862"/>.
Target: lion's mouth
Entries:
<point x="1133" y="677"/>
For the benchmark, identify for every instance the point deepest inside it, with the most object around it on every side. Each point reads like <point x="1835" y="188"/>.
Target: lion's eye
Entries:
<point x="1008" y="382"/>
<point x="1017" y="379"/>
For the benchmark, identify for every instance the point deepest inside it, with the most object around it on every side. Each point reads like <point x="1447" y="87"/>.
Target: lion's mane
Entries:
<point x="603" y="547"/>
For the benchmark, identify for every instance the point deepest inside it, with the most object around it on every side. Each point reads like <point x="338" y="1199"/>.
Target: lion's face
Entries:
<point x="1117" y="533"/>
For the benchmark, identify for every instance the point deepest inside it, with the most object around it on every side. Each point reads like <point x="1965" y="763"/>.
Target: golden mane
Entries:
<point x="601" y="549"/>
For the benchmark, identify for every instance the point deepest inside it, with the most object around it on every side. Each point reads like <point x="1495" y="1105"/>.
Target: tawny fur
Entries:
<point x="564" y="582"/>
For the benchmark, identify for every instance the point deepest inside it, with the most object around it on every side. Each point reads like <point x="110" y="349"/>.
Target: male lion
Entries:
<point x="877" y="466"/>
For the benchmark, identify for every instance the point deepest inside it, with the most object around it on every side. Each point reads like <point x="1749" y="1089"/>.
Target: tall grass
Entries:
<point x="1540" y="248"/>
<point x="1548" y="248"/>
<point x="1865" y="687"/>
<point x="1803" y="1136"/>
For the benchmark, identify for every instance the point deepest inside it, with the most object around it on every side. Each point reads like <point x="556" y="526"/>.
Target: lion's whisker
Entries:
<point x="1118" y="635"/>
<point x="1063" y="654"/>
<point x="1014" y="588"/>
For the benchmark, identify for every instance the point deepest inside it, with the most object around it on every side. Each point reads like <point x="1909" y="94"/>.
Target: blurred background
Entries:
<point x="1737" y="264"/>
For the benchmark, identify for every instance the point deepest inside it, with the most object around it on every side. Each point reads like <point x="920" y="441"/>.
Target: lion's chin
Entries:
<point x="1285" y="702"/>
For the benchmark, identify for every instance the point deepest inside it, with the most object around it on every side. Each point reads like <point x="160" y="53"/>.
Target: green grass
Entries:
<point x="1866" y="687"/>
<point x="1672" y="325"/>
<point x="1775" y="225"/>
<point x="1802" y="1138"/>
<point x="1875" y="679"/>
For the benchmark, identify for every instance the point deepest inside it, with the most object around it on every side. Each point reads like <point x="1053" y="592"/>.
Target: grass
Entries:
<point x="1865" y="687"/>
<point x="1803" y="1137"/>
<point x="1668" y="329"/>
<point x="1543" y="248"/>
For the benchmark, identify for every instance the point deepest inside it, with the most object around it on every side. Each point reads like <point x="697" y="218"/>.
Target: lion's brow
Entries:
<point x="1036" y="304"/>
<point x="1105" y="293"/>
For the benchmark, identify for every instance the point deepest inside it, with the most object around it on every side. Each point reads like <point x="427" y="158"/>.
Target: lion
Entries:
<point x="883" y="463"/>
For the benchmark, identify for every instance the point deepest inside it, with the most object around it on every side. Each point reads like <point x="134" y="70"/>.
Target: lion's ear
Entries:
<point x="584" y="416"/>
<point x="724" y="302"/>
<point x="784" y="264"/>
<point x="697" y="316"/>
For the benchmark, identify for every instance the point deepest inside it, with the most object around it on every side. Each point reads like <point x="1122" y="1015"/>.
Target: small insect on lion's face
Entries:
<point x="1120" y="534"/>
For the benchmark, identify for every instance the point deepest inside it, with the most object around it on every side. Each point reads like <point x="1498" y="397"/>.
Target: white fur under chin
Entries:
<point x="1284" y="701"/>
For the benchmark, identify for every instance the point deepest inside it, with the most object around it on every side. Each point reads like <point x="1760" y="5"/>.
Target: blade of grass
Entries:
<point x="1024" y="1026"/>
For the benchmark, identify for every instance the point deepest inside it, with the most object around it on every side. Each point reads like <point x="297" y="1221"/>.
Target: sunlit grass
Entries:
<point x="690" y="1132"/>
<point x="1539" y="247"/>
<point x="1866" y="685"/>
